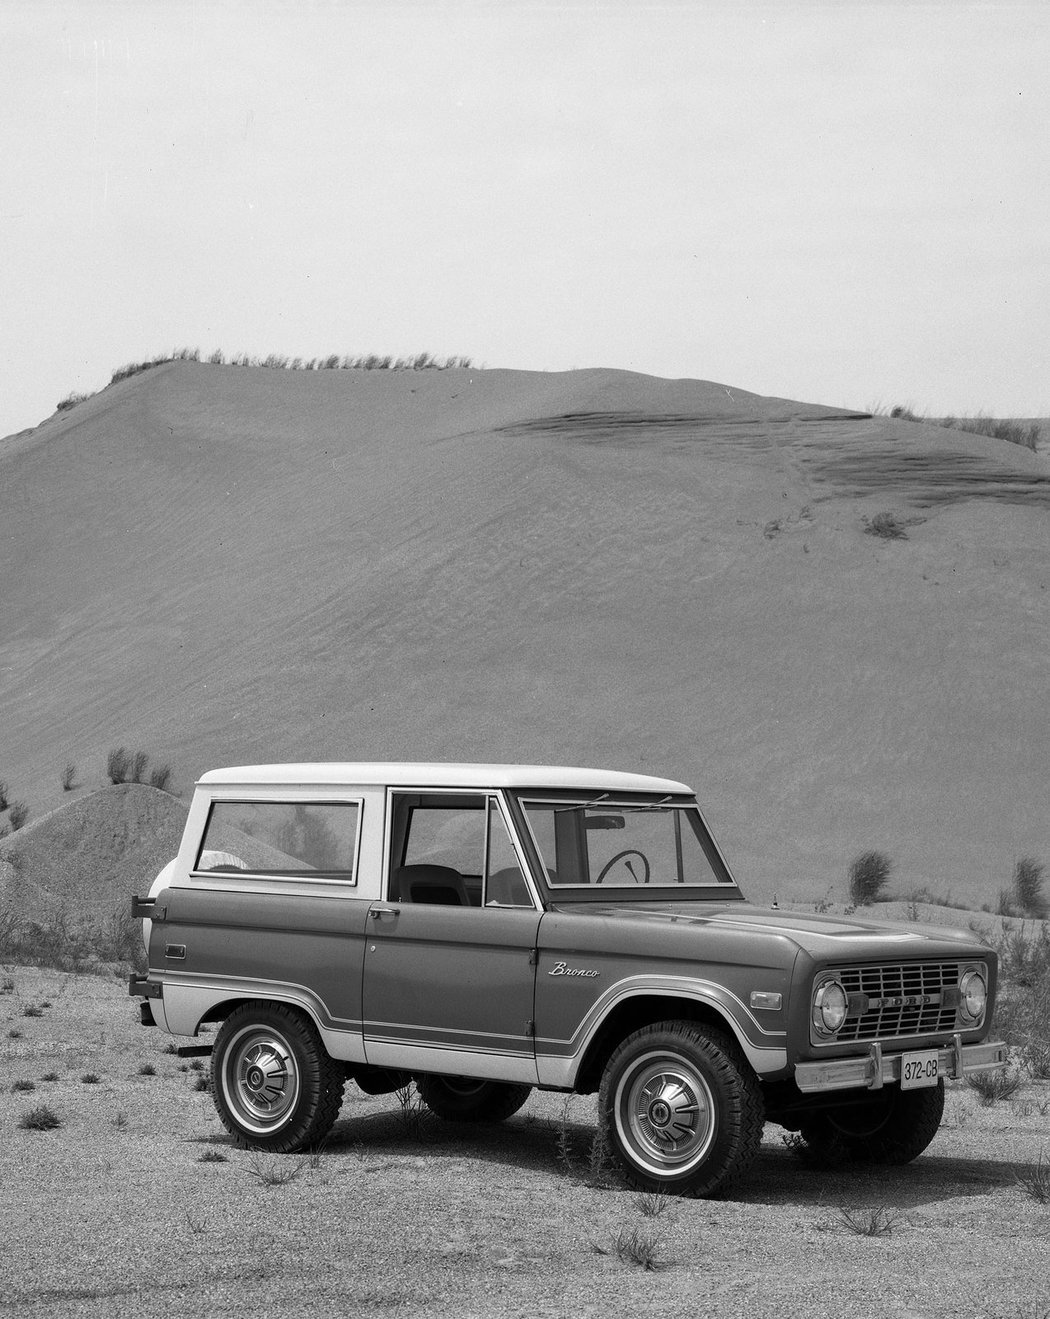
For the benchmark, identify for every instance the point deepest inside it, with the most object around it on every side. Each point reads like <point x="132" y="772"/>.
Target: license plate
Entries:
<point x="918" y="1069"/>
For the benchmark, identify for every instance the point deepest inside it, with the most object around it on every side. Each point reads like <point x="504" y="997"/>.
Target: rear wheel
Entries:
<point x="680" y="1109"/>
<point x="894" y="1128"/>
<point x="274" y="1085"/>
<point x="461" y="1099"/>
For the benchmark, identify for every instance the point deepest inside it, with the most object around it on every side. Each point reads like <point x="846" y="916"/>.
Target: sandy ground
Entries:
<point x="222" y="565"/>
<point x="114" y="1213"/>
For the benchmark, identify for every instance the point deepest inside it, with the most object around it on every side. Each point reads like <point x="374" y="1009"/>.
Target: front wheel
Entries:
<point x="680" y="1109"/>
<point x="274" y="1085"/>
<point x="893" y="1128"/>
<point x="460" y="1099"/>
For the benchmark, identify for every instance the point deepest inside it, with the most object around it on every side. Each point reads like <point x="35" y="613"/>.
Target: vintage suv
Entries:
<point x="484" y="929"/>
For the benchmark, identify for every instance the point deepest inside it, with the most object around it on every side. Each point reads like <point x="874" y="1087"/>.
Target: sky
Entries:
<point x="845" y="203"/>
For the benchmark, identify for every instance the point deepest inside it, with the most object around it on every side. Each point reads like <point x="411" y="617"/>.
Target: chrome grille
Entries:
<point x="904" y="998"/>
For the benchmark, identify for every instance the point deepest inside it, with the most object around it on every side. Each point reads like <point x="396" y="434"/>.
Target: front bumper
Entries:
<point x="874" y="1070"/>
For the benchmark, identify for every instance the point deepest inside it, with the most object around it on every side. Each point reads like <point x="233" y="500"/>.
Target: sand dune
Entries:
<point x="224" y="565"/>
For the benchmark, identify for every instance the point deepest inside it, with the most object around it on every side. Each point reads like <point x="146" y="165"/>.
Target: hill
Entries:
<point x="224" y="565"/>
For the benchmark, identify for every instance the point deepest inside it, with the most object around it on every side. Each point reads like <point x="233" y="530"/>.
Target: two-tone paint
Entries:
<point x="528" y="994"/>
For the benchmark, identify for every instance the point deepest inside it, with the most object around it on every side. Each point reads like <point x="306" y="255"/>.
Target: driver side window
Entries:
<point x="455" y="851"/>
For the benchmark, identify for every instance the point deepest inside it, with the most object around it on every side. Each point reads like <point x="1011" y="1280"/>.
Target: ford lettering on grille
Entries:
<point x="903" y="999"/>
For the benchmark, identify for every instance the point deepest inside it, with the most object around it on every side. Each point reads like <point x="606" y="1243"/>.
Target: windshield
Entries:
<point x="624" y="844"/>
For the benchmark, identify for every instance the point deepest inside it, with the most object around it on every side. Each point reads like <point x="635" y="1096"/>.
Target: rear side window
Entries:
<point x="315" y="840"/>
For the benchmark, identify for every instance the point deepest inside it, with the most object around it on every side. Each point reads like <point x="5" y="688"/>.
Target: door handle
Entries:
<point x="377" y="913"/>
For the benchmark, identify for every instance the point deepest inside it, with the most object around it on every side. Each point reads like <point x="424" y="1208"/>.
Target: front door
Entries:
<point x="449" y="967"/>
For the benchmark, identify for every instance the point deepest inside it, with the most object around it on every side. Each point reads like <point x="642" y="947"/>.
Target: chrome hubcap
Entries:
<point x="665" y="1114"/>
<point x="260" y="1080"/>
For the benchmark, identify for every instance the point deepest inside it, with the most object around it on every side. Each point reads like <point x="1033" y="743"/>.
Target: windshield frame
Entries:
<point x="720" y="889"/>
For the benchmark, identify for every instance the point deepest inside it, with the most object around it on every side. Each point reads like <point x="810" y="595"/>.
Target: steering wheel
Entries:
<point x="621" y="856"/>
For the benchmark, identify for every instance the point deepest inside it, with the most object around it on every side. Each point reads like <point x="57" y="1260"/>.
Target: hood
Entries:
<point x="834" y="937"/>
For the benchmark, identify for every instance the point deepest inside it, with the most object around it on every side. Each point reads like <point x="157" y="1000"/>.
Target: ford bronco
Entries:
<point x="480" y="930"/>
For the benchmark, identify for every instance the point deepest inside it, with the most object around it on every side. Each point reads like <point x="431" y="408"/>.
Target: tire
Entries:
<point x="894" y="1128"/>
<point x="680" y="1110"/>
<point x="461" y="1099"/>
<point x="274" y="1086"/>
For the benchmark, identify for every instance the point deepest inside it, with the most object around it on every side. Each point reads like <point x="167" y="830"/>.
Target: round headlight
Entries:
<point x="973" y="995"/>
<point x="829" y="1007"/>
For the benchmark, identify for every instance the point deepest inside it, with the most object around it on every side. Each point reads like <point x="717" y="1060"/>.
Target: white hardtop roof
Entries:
<point x="435" y="774"/>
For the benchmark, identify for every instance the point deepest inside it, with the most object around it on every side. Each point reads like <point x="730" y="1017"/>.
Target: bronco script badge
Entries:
<point x="560" y="969"/>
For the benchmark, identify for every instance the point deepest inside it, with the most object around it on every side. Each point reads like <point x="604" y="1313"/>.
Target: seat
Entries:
<point x="507" y="888"/>
<point x="437" y="885"/>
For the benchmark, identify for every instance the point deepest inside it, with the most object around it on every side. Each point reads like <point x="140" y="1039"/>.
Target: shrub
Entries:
<point x="213" y="1156"/>
<point x="1014" y="432"/>
<point x="886" y="526"/>
<point x="633" y="1246"/>
<point x="147" y="1069"/>
<point x="868" y="875"/>
<point x="160" y="777"/>
<point x="118" y="764"/>
<point x="90" y="1078"/>
<point x="873" y="1222"/>
<point x="69" y="775"/>
<point x="41" y="1118"/>
<point x="903" y="413"/>
<point x="49" y="1076"/>
<point x="18" y="814"/>
<point x="22" y="1084"/>
<point x="70" y="401"/>
<point x="1028" y="888"/>
<point x="274" y="1173"/>
<point x="4" y="802"/>
<point x="138" y="766"/>
<point x="993" y="1086"/>
<point x="32" y="1010"/>
<point x="1036" y="1181"/>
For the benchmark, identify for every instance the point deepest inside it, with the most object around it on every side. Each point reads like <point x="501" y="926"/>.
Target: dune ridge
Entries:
<point x="226" y="565"/>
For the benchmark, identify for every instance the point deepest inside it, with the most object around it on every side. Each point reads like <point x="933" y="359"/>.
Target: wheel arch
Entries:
<point x="646" y="1009"/>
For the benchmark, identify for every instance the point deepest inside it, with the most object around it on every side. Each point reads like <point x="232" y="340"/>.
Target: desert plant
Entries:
<point x="160" y="777"/>
<point x="1036" y="1181"/>
<point x="633" y="1246"/>
<point x="1037" y="1059"/>
<point x="69" y="775"/>
<point x="118" y="765"/>
<point x="49" y="1076"/>
<point x="868" y="875"/>
<point x="14" y="1033"/>
<point x="147" y="1069"/>
<point x="993" y="1086"/>
<point x="901" y="412"/>
<point x="202" y="1084"/>
<point x="32" y="1010"/>
<point x="8" y="986"/>
<point x="70" y="401"/>
<point x="652" y="1204"/>
<point x="22" y="1084"/>
<point x="876" y="1221"/>
<point x="18" y="814"/>
<point x="1026" y="434"/>
<point x="217" y="358"/>
<point x="885" y="525"/>
<point x="120" y="1121"/>
<point x="90" y="1078"/>
<point x="274" y="1173"/>
<point x="412" y="1111"/>
<point x="213" y="1156"/>
<point x="138" y="766"/>
<point x="1028" y="888"/>
<point x="41" y="1118"/>
<point x="4" y="799"/>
